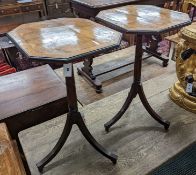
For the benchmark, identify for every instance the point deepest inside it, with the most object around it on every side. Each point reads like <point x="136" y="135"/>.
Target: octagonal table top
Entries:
<point x="64" y="39"/>
<point x="144" y="19"/>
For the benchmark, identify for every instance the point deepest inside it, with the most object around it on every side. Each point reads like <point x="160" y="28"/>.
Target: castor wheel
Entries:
<point x="165" y="63"/>
<point x="79" y="72"/>
<point x="114" y="161"/>
<point x="40" y="168"/>
<point x="92" y="77"/>
<point x="114" y="158"/>
<point x="107" y="128"/>
<point x="99" y="90"/>
<point x="166" y="125"/>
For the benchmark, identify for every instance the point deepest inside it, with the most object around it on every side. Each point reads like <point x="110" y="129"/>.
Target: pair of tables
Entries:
<point x="69" y="41"/>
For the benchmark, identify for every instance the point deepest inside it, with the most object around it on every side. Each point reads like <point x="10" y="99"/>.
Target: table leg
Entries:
<point x="87" y="72"/>
<point x="152" y="47"/>
<point x="137" y="89"/>
<point x="74" y="117"/>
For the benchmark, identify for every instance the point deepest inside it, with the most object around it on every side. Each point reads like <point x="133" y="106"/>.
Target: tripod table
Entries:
<point x="141" y="20"/>
<point x="67" y="41"/>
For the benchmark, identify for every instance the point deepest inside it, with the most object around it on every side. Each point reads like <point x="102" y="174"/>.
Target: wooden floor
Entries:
<point x="10" y="160"/>
<point x="119" y="80"/>
<point x="139" y="141"/>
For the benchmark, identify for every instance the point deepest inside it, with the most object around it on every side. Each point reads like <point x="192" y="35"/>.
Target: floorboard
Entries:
<point x="140" y="142"/>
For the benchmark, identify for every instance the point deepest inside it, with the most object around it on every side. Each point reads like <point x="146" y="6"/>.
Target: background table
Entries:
<point x="141" y="20"/>
<point x="90" y="8"/>
<point x="66" y="41"/>
<point x="15" y="8"/>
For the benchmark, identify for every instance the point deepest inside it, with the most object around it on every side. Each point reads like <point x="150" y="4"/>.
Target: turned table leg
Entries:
<point x="87" y="72"/>
<point x="151" y="48"/>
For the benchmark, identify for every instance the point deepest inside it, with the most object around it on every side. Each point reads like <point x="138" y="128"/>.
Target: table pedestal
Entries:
<point x="74" y="117"/>
<point x="87" y="72"/>
<point x="137" y="88"/>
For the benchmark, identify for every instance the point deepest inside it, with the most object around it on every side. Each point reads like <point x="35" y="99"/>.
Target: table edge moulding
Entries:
<point x="143" y="31"/>
<point x="75" y="58"/>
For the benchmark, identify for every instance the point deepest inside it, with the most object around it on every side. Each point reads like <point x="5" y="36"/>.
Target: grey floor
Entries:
<point x="139" y="141"/>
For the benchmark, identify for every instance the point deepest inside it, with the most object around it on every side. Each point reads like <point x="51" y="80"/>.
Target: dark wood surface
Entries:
<point x="144" y="19"/>
<point x="31" y="97"/>
<point x="64" y="39"/>
<point x="90" y="8"/>
<point x="58" y="8"/>
<point x="29" y="89"/>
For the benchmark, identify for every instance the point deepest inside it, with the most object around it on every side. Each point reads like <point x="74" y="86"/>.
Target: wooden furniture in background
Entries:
<point x="15" y="8"/>
<point x="12" y="8"/>
<point x="58" y="8"/>
<point x="31" y="97"/>
<point x="10" y="160"/>
<point x="141" y="20"/>
<point x="67" y="41"/>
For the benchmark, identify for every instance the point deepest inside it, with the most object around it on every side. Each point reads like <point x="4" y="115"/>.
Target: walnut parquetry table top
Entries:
<point x="64" y="39"/>
<point x="145" y="19"/>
